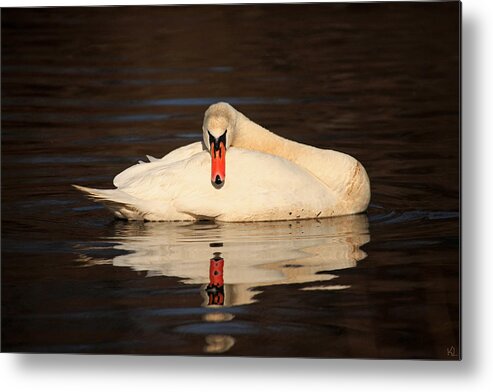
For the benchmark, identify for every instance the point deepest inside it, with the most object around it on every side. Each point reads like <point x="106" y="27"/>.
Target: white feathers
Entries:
<point x="267" y="178"/>
<point x="258" y="187"/>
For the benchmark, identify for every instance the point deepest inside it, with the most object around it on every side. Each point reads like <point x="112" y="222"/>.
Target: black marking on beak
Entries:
<point x="218" y="180"/>
<point x="217" y="142"/>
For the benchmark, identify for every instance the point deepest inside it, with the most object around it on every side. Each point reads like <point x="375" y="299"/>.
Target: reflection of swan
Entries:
<point x="255" y="254"/>
<point x="269" y="178"/>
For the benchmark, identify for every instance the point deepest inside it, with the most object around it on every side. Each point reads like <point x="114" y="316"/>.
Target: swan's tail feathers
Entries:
<point x="120" y="203"/>
<point x="150" y="158"/>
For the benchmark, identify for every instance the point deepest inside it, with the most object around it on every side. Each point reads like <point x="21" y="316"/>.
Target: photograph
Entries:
<point x="237" y="180"/>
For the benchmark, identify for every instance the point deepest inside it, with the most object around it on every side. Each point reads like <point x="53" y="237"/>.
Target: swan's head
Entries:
<point x="218" y="131"/>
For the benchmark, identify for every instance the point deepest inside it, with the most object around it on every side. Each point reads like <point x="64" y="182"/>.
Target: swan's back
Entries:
<point x="258" y="187"/>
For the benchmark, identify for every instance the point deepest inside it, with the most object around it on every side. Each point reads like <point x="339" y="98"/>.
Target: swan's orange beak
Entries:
<point x="218" y="168"/>
<point x="218" y="159"/>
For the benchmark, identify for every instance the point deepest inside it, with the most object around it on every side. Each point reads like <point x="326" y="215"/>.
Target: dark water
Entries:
<point x="86" y="92"/>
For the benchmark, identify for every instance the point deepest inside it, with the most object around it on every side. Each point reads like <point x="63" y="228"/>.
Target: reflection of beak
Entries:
<point x="215" y="288"/>
<point x="218" y="159"/>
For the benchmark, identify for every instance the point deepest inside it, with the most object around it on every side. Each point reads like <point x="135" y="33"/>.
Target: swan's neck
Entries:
<point x="335" y="169"/>
<point x="252" y="136"/>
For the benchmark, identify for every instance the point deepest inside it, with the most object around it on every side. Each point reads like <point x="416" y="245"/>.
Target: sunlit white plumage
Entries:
<point x="268" y="178"/>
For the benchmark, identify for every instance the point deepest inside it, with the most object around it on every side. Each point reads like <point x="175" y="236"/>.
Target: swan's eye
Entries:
<point x="222" y="138"/>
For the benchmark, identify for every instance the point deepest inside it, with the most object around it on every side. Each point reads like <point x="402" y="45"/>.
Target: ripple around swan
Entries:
<point x="394" y="217"/>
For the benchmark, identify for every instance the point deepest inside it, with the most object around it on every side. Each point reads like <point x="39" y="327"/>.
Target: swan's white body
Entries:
<point x="268" y="178"/>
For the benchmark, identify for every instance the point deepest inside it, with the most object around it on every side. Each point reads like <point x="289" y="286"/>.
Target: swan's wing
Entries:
<point x="168" y="181"/>
<point x="258" y="186"/>
<point x="120" y="203"/>
<point x="125" y="206"/>
<point x="136" y="171"/>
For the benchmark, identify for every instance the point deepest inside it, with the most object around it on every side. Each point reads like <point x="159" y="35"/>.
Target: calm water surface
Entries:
<point x="87" y="92"/>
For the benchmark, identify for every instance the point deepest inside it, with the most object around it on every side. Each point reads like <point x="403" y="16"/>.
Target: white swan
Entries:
<point x="240" y="172"/>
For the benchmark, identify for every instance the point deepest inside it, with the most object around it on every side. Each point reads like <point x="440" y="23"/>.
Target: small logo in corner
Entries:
<point x="451" y="351"/>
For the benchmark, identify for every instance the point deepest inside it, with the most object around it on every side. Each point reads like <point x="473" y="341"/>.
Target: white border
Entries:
<point x="129" y="373"/>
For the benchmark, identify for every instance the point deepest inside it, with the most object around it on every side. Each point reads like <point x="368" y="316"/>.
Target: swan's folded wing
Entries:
<point x="120" y="203"/>
<point x="169" y="181"/>
<point x="137" y="171"/>
<point x="258" y="187"/>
